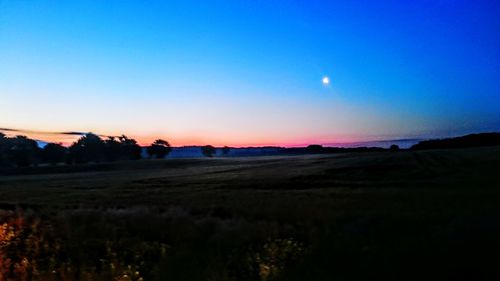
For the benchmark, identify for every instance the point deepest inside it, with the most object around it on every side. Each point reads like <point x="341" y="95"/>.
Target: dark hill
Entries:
<point x="473" y="140"/>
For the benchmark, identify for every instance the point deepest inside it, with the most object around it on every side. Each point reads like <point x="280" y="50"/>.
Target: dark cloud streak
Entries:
<point x="41" y="132"/>
<point x="20" y="131"/>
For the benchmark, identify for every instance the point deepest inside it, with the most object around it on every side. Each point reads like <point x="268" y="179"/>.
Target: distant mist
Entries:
<point x="402" y="143"/>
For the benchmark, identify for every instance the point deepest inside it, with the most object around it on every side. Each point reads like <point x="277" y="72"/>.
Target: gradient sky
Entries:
<point x="233" y="73"/>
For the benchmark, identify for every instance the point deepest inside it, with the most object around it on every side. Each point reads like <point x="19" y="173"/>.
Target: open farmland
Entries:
<point x="406" y="215"/>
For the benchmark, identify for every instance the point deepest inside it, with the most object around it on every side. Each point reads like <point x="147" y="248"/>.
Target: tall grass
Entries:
<point x="137" y="244"/>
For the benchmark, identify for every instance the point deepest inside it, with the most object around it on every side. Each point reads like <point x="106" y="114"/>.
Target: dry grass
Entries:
<point x="432" y="215"/>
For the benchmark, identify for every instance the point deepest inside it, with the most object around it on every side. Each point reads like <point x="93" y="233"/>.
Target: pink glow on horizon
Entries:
<point x="232" y="141"/>
<point x="235" y="141"/>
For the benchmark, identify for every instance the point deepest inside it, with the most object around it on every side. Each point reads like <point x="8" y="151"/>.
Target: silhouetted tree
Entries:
<point x="225" y="150"/>
<point x="394" y="147"/>
<point x="129" y="148"/>
<point x="159" y="149"/>
<point x="54" y="153"/>
<point x="3" y="149"/>
<point x="121" y="147"/>
<point x="208" y="150"/>
<point x="112" y="149"/>
<point x="23" y="151"/>
<point x="314" y="148"/>
<point x="89" y="148"/>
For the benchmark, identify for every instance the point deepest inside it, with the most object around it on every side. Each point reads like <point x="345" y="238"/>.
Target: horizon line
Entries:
<point x="285" y="145"/>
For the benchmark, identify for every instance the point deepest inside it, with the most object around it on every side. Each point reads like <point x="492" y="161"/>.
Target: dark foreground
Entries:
<point x="426" y="215"/>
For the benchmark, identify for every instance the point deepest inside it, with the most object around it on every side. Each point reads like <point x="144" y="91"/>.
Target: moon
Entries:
<point x="326" y="81"/>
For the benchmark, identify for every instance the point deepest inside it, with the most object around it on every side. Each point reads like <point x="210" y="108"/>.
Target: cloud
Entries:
<point x="41" y="132"/>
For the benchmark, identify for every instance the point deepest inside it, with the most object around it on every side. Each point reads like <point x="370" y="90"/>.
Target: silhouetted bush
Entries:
<point x="129" y="148"/>
<point x="3" y="149"/>
<point x="22" y="151"/>
<point x="208" y="150"/>
<point x="314" y="148"/>
<point x="121" y="148"/>
<point x="159" y="149"/>
<point x="89" y="148"/>
<point x="113" y="149"/>
<point x="54" y="153"/>
<point x="394" y="147"/>
<point x="225" y="150"/>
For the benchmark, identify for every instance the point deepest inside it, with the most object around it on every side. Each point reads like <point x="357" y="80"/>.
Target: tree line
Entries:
<point x="22" y="151"/>
<point x="471" y="140"/>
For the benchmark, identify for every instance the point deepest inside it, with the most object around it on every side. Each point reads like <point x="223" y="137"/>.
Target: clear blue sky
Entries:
<point x="227" y="72"/>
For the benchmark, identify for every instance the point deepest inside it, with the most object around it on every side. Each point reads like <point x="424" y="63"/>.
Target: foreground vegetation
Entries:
<point x="400" y="215"/>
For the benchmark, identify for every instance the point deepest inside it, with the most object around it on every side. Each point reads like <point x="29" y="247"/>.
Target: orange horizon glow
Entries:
<point x="231" y="141"/>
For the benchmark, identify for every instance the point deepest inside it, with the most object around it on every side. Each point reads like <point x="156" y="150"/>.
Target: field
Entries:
<point x="405" y="215"/>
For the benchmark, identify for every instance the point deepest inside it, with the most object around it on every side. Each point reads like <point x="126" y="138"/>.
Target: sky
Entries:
<point x="249" y="73"/>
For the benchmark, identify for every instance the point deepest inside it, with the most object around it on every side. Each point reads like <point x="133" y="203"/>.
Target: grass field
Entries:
<point x="426" y="215"/>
